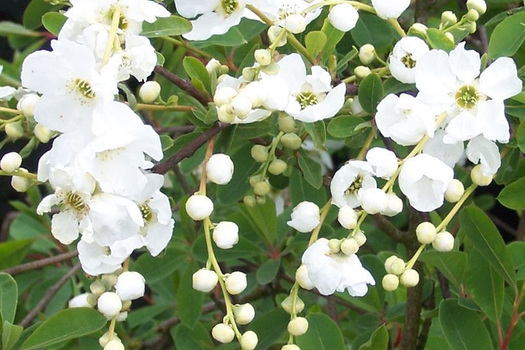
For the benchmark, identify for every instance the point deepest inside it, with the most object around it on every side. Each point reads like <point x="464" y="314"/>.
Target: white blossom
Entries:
<point x="405" y="54"/>
<point x="349" y="181"/>
<point x="383" y="162"/>
<point x="305" y="217"/>
<point x="390" y="8"/>
<point x="130" y="285"/>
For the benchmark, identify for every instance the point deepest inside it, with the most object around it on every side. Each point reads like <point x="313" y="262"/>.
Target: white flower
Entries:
<point x="407" y="51"/>
<point x="343" y="17"/>
<point x="347" y="217"/>
<point x="404" y="119"/>
<point x="335" y="272"/>
<point x="226" y="234"/>
<point x="390" y="8"/>
<point x="219" y="169"/>
<point x="130" y="285"/>
<point x="305" y="217"/>
<point x="374" y="200"/>
<point x="349" y="181"/>
<point x="383" y="162"/>
<point x="424" y="180"/>
<point x="483" y="151"/>
<point x="280" y="12"/>
<point x="448" y="153"/>
<point x="137" y="59"/>
<point x="79" y="301"/>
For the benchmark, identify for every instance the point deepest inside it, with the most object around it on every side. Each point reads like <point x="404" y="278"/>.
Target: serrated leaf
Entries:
<point x="513" y="195"/>
<point x="168" y="26"/>
<point x="311" y="169"/>
<point x="8" y="297"/>
<point x="323" y="334"/>
<point x="315" y="42"/>
<point x="507" y="36"/>
<point x="66" y="324"/>
<point x="267" y="271"/>
<point x="370" y="93"/>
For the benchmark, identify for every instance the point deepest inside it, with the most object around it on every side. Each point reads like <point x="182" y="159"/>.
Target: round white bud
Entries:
<point x="480" y="6"/>
<point x="14" y="130"/>
<point x="390" y="282"/>
<point x="347" y="217"/>
<point x="244" y="313"/>
<point x="477" y="176"/>
<point x="373" y="200"/>
<point x="149" y="91"/>
<point x="394" y="205"/>
<point x="249" y="340"/>
<point x="104" y="339"/>
<point x="360" y="237"/>
<point x="343" y="17"/>
<point x="356" y="107"/>
<point x="394" y="265"/>
<point x="448" y="18"/>
<point x="426" y="232"/>
<point x="199" y="207"/>
<point x="256" y="92"/>
<point x="109" y="304"/>
<point x="301" y="276"/>
<point x="122" y="316"/>
<point x="79" y="301"/>
<point x="298" y="326"/>
<point x="226" y="234"/>
<point x="19" y="183"/>
<point x="130" y="285"/>
<point x="290" y="347"/>
<point x="409" y="278"/>
<point x="223" y="333"/>
<point x="42" y="133"/>
<point x="10" y="162"/>
<point x="362" y="72"/>
<point x="204" y="280"/>
<point x="418" y="29"/>
<point x="274" y="33"/>
<point x="295" y="23"/>
<point x="455" y="191"/>
<point x="287" y="305"/>
<point x="219" y="169"/>
<point x="225" y="114"/>
<point x="305" y="217"/>
<point x="263" y="57"/>
<point x="26" y="104"/>
<point x="367" y="54"/>
<point x="97" y="288"/>
<point x="241" y="106"/>
<point x="224" y="95"/>
<point x="349" y="246"/>
<point x="472" y="15"/>
<point x="114" y="345"/>
<point x="236" y="282"/>
<point x="444" y="242"/>
<point x="334" y="245"/>
<point x="213" y="65"/>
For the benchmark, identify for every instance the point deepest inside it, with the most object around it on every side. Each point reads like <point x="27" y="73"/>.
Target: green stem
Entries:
<point x="457" y="206"/>
<point x="324" y="211"/>
<point x="300" y="47"/>
<point x="185" y="45"/>
<point x="260" y="14"/>
<point x="112" y="34"/>
<point x="18" y="173"/>
<point x="148" y="107"/>
<point x="414" y="258"/>
<point x="397" y="27"/>
<point x="271" y="154"/>
<point x="9" y="110"/>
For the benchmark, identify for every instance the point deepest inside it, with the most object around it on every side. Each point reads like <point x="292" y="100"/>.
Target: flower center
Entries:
<point x="355" y="186"/>
<point x="467" y="97"/>
<point x="84" y="88"/>
<point x="408" y="61"/>
<point x="76" y="202"/>
<point x="122" y="21"/>
<point x="306" y="98"/>
<point x="147" y="213"/>
<point x="229" y="6"/>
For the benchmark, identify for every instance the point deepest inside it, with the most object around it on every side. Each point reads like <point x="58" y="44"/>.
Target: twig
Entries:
<point x="183" y="84"/>
<point x="40" y="263"/>
<point x="389" y="228"/>
<point x="48" y="296"/>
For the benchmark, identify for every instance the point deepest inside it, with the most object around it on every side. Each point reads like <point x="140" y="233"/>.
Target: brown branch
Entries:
<point x="386" y="226"/>
<point x="183" y="84"/>
<point x="40" y="263"/>
<point x="190" y="149"/>
<point x="48" y="296"/>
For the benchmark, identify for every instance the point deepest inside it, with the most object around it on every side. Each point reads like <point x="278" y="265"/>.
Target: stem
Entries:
<point x="397" y="27"/>
<point x="367" y="144"/>
<point x="148" y="107"/>
<point x="183" y="84"/>
<point x="514" y="319"/>
<point x="18" y="173"/>
<point x="9" y="110"/>
<point x="414" y="258"/>
<point x="324" y="211"/>
<point x="185" y="45"/>
<point x="112" y="34"/>
<point x="260" y="14"/>
<point x="209" y="152"/>
<point x="457" y="206"/>
<point x="271" y="154"/>
<point x="300" y="47"/>
<point x="40" y="263"/>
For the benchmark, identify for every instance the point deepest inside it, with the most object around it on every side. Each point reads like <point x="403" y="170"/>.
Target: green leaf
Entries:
<point x="8" y="297"/>
<point x="378" y="340"/>
<point x="509" y="166"/>
<point x="267" y="271"/>
<point x="370" y="93"/>
<point x="269" y="327"/>
<point x="462" y="328"/>
<point x="311" y="169"/>
<point x="263" y="219"/>
<point x="10" y="335"/>
<point x="156" y="268"/>
<point x="484" y="236"/>
<point x="13" y="252"/>
<point x="438" y="40"/>
<point x="65" y="325"/>
<point x="323" y="334"/>
<point x="485" y="285"/>
<point x="344" y="126"/>
<point x="168" y="26"/>
<point x="34" y="11"/>
<point x="452" y="264"/>
<point x="300" y="190"/>
<point x="189" y="301"/>
<point x="315" y="42"/>
<point x="520" y="137"/>
<point x="333" y="35"/>
<point x="243" y="249"/>
<point x="317" y="132"/>
<point x="11" y="28"/>
<point x="194" y="338"/>
<point x="196" y="70"/>
<point x="146" y="313"/>
<point x="371" y="29"/>
<point x="508" y="36"/>
<point x="513" y="195"/>
<point x="233" y="37"/>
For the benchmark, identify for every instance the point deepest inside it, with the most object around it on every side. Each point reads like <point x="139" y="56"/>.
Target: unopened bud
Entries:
<point x="104" y="339"/>
<point x="130" y="285"/>
<point x="271" y="69"/>
<point x="149" y="91"/>
<point x="10" y="162"/>
<point x="390" y="282"/>
<point x="274" y="33"/>
<point x="347" y="217"/>
<point x="109" y="304"/>
<point x="343" y="17"/>
<point x="241" y="106"/>
<point x="114" y="345"/>
<point x="298" y="326"/>
<point x="249" y="73"/>
<point x="301" y="276"/>
<point x="249" y="201"/>
<point x="471" y="27"/>
<point x="263" y="57"/>
<point x="225" y="114"/>
<point x="360" y="237"/>
<point x="480" y="6"/>
<point x="224" y="95"/>
<point x="349" y="246"/>
<point x="295" y="23"/>
<point x="394" y="205"/>
<point x="27" y="104"/>
<point x="244" y="313"/>
<point x="448" y="18"/>
<point x="277" y="167"/>
<point x="394" y="265"/>
<point x="226" y="234"/>
<point x="14" y="130"/>
<point x="409" y="278"/>
<point x="455" y="191"/>
<point x="418" y="29"/>
<point x="97" y="288"/>
<point x="42" y="133"/>
<point x="373" y="200"/>
<point x="362" y="72"/>
<point x="204" y="280"/>
<point x="19" y="183"/>
<point x="219" y="169"/>
<point x="286" y="123"/>
<point x="259" y="153"/>
<point x="199" y="207"/>
<point x="444" y="242"/>
<point x="367" y="54"/>
<point x="426" y="232"/>
<point x="291" y="141"/>
<point x="261" y="188"/>
<point x="472" y="15"/>
<point x="477" y="176"/>
<point x="236" y="282"/>
<point x="79" y="301"/>
<point x="290" y="347"/>
<point x="334" y="245"/>
<point x="249" y="340"/>
<point x="287" y="305"/>
<point x="213" y="65"/>
<point x="223" y="333"/>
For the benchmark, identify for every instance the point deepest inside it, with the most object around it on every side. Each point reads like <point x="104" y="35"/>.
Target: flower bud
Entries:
<point x="471" y="27"/>
<point x="472" y="15"/>
<point x="290" y="347"/>
<point x="349" y="246"/>
<point x="263" y="57"/>
<point x="450" y="36"/>
<point x="455" y="191"/>
<point x="42" y="133"/>
<point x="362" y="72"/>
<point x="244" y="313"/>
<point x="394" y="205"/>
<point x="394" y="265"/>
<point x="298" y="326"/>
<point x="219" y="169"/>
<point x="409" y="278"/>
<point x="448" y="18"/>
<point x="236" y="282"/>
<point x="360" y="237"/>
<point x="277" y="167"/>
<point x="223" y="333"/>
<point x="97" y="288"/>
<point x="199" y="207"/>
<point x="480" y="6"/>
<point x="295" y="23"/>
<point x="14" y="130"/>
<point x="130" y="285"/>
<point x="256" y="92"/>
<point x="122" y="316"/>
<point x="334" y="245"/>
<point x="305" y="217"/>
<point x="259" y="153"/>
<point x="249" y="340"/>
<point x="241" y="106"/>
<point x="273" y="34"/>
<point x="287" y="305"/>
<point x="114" y="345"/>
<point x="109" y="304"/>
<point x="260" y="200"/>
<point x="10" y="162"/>
<point x="291" y="141"/>
<point x="225" y="114"/>
<point x="26" y="104"/>
<point x="444" y="242"/>
<point x="367" y="54"/>
<point x="261" y="188"/>
<point x="426" y="232"/>
<point x="79" y="301"/>
<point x="390" y="282"/>
<point x="224" y="95"/>
<point x="204" y="280"/>
<point x="92" y="299"/>
<point x="347" y="217"/>
<point x="19" y="183"/>
<point x="301" y="276"/>
<point x="343" y="17"/>
<point x="149" y="91"/>
<point x="249" y="201"/>
<point x="356" y="107"/>
<point x="286" y="123"/>
<point x="213" y="65"/>
<point x="226" y="234"/>
<point x="418" y="29"/>
<point x="373" y="200"/>
<point x="109" y="280"/>
<point x="477" y="176"/>
<point x="104" y="339"/>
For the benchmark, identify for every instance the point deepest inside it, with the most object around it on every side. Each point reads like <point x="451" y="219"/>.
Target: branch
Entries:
<point x="190" y="149"/>
<point x="386" y="226"/>
<point x="183" y="84"/>
<point x="40" y="263"/>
